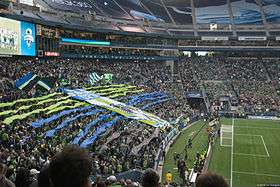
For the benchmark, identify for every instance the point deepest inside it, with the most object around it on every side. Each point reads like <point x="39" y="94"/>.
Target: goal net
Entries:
<point x="226" y="135"/>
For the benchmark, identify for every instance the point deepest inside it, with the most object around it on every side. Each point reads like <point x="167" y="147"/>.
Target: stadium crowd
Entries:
<point x="253" y="82"/>
<point x="72" y="167"/>
<point x="127" y="145"/>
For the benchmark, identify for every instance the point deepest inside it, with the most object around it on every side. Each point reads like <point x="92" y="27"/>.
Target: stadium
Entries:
<point x="139" y="93"/>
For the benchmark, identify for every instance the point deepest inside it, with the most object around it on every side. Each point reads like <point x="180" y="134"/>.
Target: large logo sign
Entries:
<point x="28" y="39"/>
<point x="17" y="37"/>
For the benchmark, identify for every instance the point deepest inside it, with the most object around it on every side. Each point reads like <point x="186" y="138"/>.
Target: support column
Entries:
<point x="231" y="18"/>
<point x="266" y="25"/>
<point x="194" y="18"/>
<point x="173" y="21"/>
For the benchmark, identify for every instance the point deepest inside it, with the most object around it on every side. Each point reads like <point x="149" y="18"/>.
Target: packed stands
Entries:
<point x="113" y="78"/>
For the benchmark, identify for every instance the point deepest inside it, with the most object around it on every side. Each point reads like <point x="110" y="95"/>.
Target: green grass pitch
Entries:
<point x="254" y="159"/>
<point x="199" y="144"/>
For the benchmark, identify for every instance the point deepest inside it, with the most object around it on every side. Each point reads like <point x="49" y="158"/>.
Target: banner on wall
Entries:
<point x="214" y="38"/>
<point x="116" y="106"/>
<point x="27" y="2"/>
<point x="17" y="37"/>
<point x="264" y="117"/>
<point x="252" y="38"/>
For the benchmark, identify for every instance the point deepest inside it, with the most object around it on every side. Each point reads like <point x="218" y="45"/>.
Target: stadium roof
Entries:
<point x="179" y="12"/>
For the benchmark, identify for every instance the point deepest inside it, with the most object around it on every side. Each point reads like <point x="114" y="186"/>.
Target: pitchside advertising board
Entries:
<point x="17" y="37"/>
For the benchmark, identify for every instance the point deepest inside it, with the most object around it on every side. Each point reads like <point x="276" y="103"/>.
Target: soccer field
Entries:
<point x="251" y="157"/>
<point x="196" y="131"/>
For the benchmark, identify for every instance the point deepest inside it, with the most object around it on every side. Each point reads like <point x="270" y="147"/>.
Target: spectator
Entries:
<point x="43" y="178"/>
<point x="211" y="180"/>
<point x="100" y="184"/>
<point x="169" y="177"/>
<point x="4" y="182"/>
<point x="22" y="178"/>
<point x="71" y="168"/>
<point x="150" y="178"/>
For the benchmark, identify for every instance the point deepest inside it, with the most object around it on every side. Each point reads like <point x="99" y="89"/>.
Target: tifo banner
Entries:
<point x="64" y="82"/>
<point x="155" y="97"/>
<point x="22" y="82"/>
<point x="106" y="78"/>
<point x="115" y="106"/>
<point x="29" y="80"/>
<point x="94" y="78"/>
<point x="51" y="133"/>
<point x="101" y="129"/>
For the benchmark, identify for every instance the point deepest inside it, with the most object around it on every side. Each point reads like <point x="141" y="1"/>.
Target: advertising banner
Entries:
<point x="263" y="117"/>
<point x="252" y="38"/>
<point x="17" y="37"/>
<point x="214" y="38"/>
<point x="27" y="2"/>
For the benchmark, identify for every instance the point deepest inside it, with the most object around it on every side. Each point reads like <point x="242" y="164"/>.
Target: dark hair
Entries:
<point x="150" y="178"/>
<point x="101" y="184"/>
<point x="211" y="180"/>
<point x="70" y="168"/>
<point x="43" y="177"/>
<point x="2" y="169"/>
<point x="23" y="178"/>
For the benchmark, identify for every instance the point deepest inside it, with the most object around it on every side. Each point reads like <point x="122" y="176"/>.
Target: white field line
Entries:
<point x="256" y="155"/>
<point x="225" y="129"/>
<point x="231" y="167"/>
<point x="259" y="174"/>
<point x="265" y="147"/>
<point x="248" y="135"/>
<point x="268" y="128"/>
<point x="226" y="145"/>
<point x="226" y="138"/>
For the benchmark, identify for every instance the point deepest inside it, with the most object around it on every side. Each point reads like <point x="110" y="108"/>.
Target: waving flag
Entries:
<point x="94" y="78"/>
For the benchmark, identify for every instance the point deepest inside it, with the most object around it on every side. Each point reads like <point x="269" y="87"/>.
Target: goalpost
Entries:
<point x="226" y="135"/>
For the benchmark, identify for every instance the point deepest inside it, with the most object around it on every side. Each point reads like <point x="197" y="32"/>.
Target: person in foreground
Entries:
<point x="4" y="182"/>
<point x="150" y="179"/>
<point x="211" y="180"/>
<point x="71" y="168"/>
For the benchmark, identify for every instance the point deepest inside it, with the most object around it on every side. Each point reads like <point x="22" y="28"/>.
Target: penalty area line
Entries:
<point x="265" y="146"/>
<point x="250" y="127"/>
<point x="258" y="174"/>
<point x="255" y="155"/>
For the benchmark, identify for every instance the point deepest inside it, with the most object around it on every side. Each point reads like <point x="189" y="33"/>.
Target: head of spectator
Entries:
<point x="23" y="178"/>
<point x="112" y="179"/>
<point x="43" y="177"/>
<point x="211" y="180"/>
<point x="3" y="169"/>
<point x="150" y="178"/>
<point x="128" y="183"/>
<point x="3" y="180"/>
<point x="71" y="168"/>
<point x="100" y="184"/>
